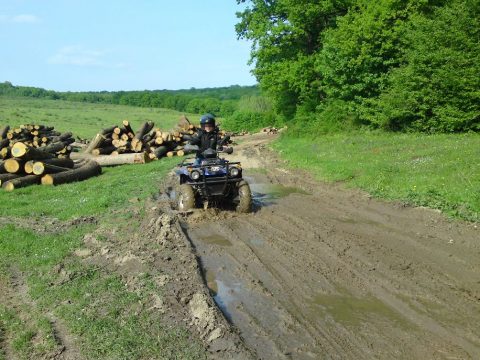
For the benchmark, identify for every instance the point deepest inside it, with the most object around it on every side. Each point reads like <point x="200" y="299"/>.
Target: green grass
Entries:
<point x="437" y="171"/>
<point x="101" y="195"/>
<point x="94" y="305"/>
<point x="83" y="119"/>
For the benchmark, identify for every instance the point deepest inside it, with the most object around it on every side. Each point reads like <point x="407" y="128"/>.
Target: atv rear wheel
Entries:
<point x="186" y="198"/>
<point x="245" y="197"/>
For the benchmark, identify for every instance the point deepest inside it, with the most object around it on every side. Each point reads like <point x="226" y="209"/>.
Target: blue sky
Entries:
<point x="78" y="45"/>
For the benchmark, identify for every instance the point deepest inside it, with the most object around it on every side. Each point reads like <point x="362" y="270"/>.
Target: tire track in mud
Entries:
<point x="322" y="272"/>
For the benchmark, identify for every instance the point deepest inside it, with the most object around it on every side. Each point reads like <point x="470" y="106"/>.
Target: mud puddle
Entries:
<point x="266" y="194"/>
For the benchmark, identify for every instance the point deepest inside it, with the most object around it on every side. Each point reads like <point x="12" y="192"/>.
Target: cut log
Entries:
<point x="5" y="153"/>
<point x="104" y="151"/>
<point x="183" y="121"/>
<point x="54" y="147"/>
<point x="87" y="170"/>
<point x="4" y="132"/>
<point x="128" y="128"/>
<point x="144" y="129"/>
<point x="26" y="152"/>
<point x="108" y="130"/>
<point x="13" y="165"/>
<point x="28" y="167"/>
<point x="2" y="167"/>
<point x="4" y="143"/>
<point x="39" y="168"/>
<point x="20" y="182"/>
<point x="63" y="137"/>
<point x="6" y="177"/>
<point x="120" y="159"/>
<point x="95" y="143"/>
<point x="160" y="151"/>
<point x="66" y="163"/>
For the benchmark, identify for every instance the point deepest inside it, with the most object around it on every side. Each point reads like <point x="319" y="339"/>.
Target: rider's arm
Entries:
<point x="224" y="141"/>
<point x="196" y="139"/>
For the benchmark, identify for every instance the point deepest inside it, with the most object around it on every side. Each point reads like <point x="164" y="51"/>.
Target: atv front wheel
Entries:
<point x="186" y="198"/>
<point x="245" y="197"/>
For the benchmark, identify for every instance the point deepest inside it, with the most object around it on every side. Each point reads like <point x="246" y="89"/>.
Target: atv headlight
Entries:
<point x="195" y="175"/>
<point x="234" y="171"/>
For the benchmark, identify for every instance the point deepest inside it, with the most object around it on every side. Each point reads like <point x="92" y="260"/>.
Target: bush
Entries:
<point x="250" y="121"/>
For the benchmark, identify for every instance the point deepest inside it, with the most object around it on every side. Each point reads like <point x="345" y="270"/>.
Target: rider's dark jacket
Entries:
<point x="206" y="140"/>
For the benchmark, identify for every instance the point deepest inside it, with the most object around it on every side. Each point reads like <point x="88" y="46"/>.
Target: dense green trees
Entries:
<point x="393" y="64"/>
<point x="220" y="101"/>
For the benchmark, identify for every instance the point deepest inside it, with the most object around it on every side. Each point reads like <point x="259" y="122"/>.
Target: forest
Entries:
<point x="397" y="65"/>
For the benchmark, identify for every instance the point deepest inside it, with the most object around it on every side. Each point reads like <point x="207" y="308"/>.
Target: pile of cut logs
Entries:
<point x="270" y="130"/>
<point x="34" y="154"/>
<point x="117" y="145"/>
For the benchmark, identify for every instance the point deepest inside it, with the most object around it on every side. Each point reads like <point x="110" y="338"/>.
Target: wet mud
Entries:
<point x="320" y="272"/>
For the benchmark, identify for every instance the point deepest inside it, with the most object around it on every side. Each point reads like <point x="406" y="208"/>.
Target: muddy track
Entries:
<point x="318" y="271"/>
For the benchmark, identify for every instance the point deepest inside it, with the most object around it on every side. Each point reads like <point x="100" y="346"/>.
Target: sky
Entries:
<point x="95" y="45"/>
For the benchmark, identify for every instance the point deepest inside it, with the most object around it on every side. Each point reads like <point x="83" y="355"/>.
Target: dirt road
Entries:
<point x="320" y="272"/>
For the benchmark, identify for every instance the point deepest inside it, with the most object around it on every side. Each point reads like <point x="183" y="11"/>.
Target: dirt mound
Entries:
<point x="160" y="249"/>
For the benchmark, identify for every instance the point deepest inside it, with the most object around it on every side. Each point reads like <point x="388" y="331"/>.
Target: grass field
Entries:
<point x="94" y="304"/>
<point x="438" y="171"/>
<point x="83" y="119"/>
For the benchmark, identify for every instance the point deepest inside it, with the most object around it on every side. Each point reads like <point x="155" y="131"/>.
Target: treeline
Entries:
<point x="222" y="101"/>
<point x="403" y="65"/>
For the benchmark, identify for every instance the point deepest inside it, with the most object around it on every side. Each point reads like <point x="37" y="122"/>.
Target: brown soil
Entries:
<point x="317" y="271"/>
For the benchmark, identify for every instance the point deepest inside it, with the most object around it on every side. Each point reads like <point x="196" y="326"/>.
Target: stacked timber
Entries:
<point x="30" y="152"/>
<point x="270" y="130"/>
<point x="117" y="145"/>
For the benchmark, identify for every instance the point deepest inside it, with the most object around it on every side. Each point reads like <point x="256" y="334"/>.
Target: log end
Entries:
<point x="11" y="165"/>
<point x="19" y="149"/>
<point x="8" y="186"/>
<point x="47" y="180"/>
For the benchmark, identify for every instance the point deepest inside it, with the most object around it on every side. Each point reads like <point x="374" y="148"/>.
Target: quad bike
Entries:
<point x="215" y="180"/>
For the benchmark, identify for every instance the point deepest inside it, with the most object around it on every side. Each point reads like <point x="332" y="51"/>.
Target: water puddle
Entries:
<point x="264" y="194"/>
<point x="215" y="239"/>
<point x="353" y="311"/>
<point x="223" y="293"/>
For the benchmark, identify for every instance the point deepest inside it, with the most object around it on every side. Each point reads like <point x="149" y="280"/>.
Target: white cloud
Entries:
<point x="25" y="18"/>
<point x="79" y="56"/>
<point x="19" y="19"/>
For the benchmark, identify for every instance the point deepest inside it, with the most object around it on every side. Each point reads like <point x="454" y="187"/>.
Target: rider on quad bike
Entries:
<point x="207" y="137"/>
<point x="211" y="178"/>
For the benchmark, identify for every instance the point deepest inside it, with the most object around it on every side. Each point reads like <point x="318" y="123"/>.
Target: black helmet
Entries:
<point x="207" y="119"/>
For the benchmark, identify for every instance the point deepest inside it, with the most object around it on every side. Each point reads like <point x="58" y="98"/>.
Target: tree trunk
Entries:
<point x="6" y="177"/>
<point x="95" y="143"/>
<point x="4" y="131"/>
<point x="20" y="150"/>
<point x="144" y="129"/>
<point x="108" y="130"/>
<point x="120" y="159"/>
<point x="104" y="151"/>
<point x="127" y="127"/>
<point x="39" y="168"/>
<point x="87" y="170"/>
<point x="160" y="151"/>
<point x="66" y="163"/>
<point x="4" y="143"/>
<point x="13" y="184"/>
